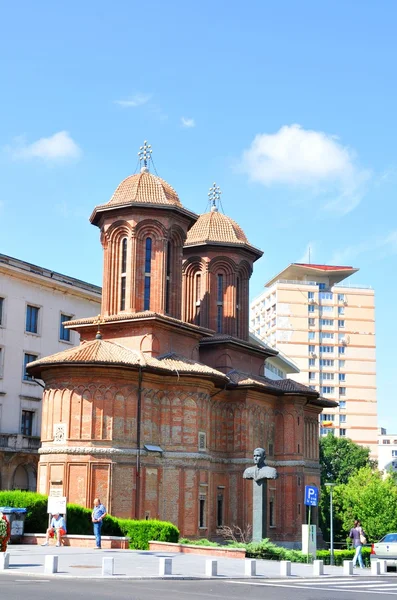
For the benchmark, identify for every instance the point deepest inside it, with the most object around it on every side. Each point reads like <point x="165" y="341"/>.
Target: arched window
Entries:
<point x="197" y="298"/>
<point x="123" y="274"/>
<point x="238" y="306"/>
<point x="219" y="297"/>
<point x="168" y="279"/>
<point x="148" y="267"/>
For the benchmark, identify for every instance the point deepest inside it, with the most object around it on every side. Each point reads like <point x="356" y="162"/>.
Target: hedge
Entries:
<point x="79" y="521"/>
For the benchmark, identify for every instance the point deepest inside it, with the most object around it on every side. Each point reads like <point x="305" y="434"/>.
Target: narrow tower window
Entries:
<point x="123" y="274"/>
<point x="168" y="279"/>
<point x="197" y="298"/>
<point x="219" y="315"/>
<point x="238" y="306"/>
<point x="148" y="266"/>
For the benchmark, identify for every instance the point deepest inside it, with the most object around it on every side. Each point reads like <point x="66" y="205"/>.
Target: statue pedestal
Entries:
<point x="259" y="515"/>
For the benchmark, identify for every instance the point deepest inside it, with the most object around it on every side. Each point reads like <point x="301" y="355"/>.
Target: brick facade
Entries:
<point x="150" y="379"/>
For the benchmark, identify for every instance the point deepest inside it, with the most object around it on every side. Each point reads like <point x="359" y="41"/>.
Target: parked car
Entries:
<point x="386" y="549"/>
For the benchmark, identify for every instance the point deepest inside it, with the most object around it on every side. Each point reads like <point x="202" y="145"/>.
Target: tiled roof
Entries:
<point x="291" y="386"/>
<point x="144" y="188"/>
<point x="243" y="379"/>
<point x="102" y="352"/>
<point x="223" y="337"/>
<point x="215" y="227"/>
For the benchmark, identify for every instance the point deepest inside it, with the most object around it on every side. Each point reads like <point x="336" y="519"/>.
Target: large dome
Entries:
<point x="215" y="227"/>
<point x="144" y="188"/>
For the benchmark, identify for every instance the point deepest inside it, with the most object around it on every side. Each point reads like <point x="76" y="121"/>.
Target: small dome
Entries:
<point x="144" y="188"/>
<point x="215" y="227"/>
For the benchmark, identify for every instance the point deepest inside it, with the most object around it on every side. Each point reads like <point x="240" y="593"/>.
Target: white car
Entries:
<point x="386" y="549"/>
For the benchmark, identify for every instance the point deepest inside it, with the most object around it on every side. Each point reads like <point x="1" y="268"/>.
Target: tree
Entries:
<point x="372" y="499"/>
<point x="340" y="458"/>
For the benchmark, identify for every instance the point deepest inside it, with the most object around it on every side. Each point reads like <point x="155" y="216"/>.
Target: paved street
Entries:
<point x="16" y="587"/>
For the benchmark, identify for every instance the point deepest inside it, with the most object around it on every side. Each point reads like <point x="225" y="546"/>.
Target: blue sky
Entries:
<point x="289" y="106"/>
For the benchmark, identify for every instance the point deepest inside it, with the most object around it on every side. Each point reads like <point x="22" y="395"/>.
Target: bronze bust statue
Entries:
<point x="260" y="470"/>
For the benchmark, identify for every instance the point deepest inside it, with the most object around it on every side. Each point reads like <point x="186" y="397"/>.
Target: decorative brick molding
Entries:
<point x="220" y="552"/>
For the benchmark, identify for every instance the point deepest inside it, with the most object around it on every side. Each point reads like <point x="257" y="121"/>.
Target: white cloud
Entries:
<point x="137" y="99"/>
<point x="56" y="147"/>
<point x="308" y="159"/>
<point x="380" y="246"/>
<point x="186" y="122"/>
<point x="308" y="255"/>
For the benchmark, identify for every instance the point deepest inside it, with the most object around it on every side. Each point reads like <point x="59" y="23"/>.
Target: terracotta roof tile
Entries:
<point x="244" y="379"/>
<point x="291" y="386"/>
<point x="215" y="227"/>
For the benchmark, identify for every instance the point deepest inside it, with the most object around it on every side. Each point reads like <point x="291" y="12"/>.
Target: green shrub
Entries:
<point x="36" y="504"/>
<point x="341" y="555"/>
<point x="200" y="542"/>
<point x="141" y="532"/>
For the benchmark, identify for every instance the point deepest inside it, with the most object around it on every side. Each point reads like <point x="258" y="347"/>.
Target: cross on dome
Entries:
<point x="214" y="196"/>
<point x="145" y="155"/>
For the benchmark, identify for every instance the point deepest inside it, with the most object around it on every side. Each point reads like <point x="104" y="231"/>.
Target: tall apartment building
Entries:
<point x="34" y="304"/>
<point x="328" y="329"/>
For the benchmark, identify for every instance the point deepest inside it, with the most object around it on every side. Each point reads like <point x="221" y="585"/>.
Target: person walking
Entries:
<point x="58" y="527"/>
<point x="359" y="539"/>
<point x="98" y="514"/>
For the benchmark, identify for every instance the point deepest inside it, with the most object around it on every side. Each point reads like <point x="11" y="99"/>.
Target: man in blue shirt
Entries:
<point x="98" y="514"/>
<point x="57" y="526"/>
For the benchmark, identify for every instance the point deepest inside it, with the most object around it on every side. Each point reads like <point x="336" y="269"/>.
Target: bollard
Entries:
<point x="375" y="567"/>
<point x="285" y="568"/>
<point x="347" y="567"/>
<point x="383" y="566"/>
<point x="165" y="566"/>
<point x="107" y="566"/>
<point x="50" y="564"/>
<point x="318" y="568"/>
<point x="211" y="567"/>
<point x="4" y="560"/>
<point x="250" y="567"/>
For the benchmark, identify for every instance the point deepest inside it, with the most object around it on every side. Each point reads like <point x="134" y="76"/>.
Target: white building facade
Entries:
<point x="327" y="328"/>
<point x="34" y="304"/>
<point x="387" y="451"/>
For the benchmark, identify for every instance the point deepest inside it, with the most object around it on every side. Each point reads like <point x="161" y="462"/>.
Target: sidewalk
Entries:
<point x="140" y="564"/>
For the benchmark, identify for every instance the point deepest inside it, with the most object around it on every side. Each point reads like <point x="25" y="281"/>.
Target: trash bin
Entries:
<point x="16" y="519"/>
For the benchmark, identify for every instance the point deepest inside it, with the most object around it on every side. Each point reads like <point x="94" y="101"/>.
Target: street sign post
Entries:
<point x="311" y="499"/>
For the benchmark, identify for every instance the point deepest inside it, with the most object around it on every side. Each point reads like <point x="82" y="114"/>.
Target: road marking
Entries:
<point x="325" y="589"/>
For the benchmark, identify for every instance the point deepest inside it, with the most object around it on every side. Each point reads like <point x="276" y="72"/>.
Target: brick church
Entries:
<point x="159" y="408"/>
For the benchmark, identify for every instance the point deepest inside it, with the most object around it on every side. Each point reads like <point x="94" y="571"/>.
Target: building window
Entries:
<point x="238" y="307"/>
<point x="326" y="362"/>
<point x="123" y="274"/>
<point x="341" y="364"/>
<point x="310" y="295"/>
<point x="27" y="422"/>
<point x="341" y="297"/>
<point x="341" y="323"/>
<point x="219" y="316"/>
<point x="327" y="417"/>
<point x="219" y="510"/>
<point x="342" y="418"/>
<point x="202" y="441"/>
<point x="325" y="309"/>
<point x="312" y="362"/>
<point x="148" y="269"/>
<point x="197" y="298"/>
<point x="310" y="308"/>
<point x="326" y="389"/>
<point x="327" y="335"/>
<point x="168" y="279"/>
<point x="202" y="511"/>
<point x="342" y="377"/>
<point x="342" y="391"/>
<point x="311" y="335"/>
<point x="326" y="431"/>
<point x="64" y="334"/>
<point x="312" y="387"/>
<point x="341" y="310"/>
<point x="342" y="404"/>
<point x="28" y="358"/>
<point x="341" y="349"/>
<point x="325" y="295"/>
<point x="32" y="319"/>
<point x="312" y="348"/>
<point x="312" y="322"/>
<point x="312" y="375"/>
<point x="342" y="432"/>
<point x="271" y="513"/>
<point x="1" y="361"/>
<point x="1" y="312"/>
<point x="327" y="376"/>
<point x="321" y="286"/>
<point x="386" y="441"/>
<point x="327" y="349"/>
<point x="394" y="452"/>
<point x="327" y="322"/>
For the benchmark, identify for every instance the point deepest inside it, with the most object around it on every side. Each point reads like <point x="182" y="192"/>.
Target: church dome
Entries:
<point x="215" y="227"/>
<point x="144" y="188"/>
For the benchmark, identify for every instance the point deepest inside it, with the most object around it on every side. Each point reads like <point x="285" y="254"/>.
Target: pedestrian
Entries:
<point x="98" y="514"/>
<point x="359" y="539"/>
<point x="58" y="527"/>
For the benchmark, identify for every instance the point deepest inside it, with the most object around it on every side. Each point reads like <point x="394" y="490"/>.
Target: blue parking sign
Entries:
<point x="311" y="495"/>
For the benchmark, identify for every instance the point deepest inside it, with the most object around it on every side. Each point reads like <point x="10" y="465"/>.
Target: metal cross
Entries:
<point x="145" y="153"/>
<point x="214" y="196"/>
